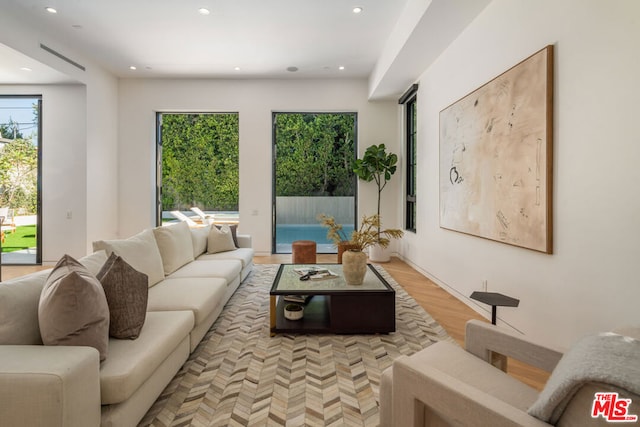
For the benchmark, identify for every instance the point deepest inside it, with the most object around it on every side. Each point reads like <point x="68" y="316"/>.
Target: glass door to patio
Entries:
<point x="312" y="166"/>
<point x="20" y="179"/>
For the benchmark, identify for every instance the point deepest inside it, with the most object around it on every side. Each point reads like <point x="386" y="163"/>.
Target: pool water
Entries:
<point x="286" y="234"/>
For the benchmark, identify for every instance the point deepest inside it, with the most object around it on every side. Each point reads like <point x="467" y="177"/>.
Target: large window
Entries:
<point x="20" y="179"/>
<point x="313" y="156"/>
<point x="198" y="166"/>
<point x="409" y="99"/>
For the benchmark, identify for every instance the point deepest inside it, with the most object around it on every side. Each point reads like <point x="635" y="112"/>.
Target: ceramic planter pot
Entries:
<point x="342" y="247"/>
<point x="354" y="266"/>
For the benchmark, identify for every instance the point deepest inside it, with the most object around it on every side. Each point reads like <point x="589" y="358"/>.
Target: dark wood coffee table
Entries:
<point x="335" y="306"/>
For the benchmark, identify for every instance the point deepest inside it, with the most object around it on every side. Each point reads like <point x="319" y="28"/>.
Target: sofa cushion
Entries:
<point x="140" y="251"/>
<point x="220" y="240"/>
<point x="199" y="238"/>
<point x="244" y="255"/>
<point x="73" y="308"/>
<point x="132" y="362"/>
<point x="225" y="269"/>
<point x="19" y="300"/>
<point x="94" y="262"/>
<point x="175" y="245"/>
<point x="199" y="294"/>
<point x="127" y="292"/>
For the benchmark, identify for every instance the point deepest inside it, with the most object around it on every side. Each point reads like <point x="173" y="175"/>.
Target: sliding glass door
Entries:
<point x="198" y="167"/>
<point x="20" y="179"/>
<point x="313" y="155"/>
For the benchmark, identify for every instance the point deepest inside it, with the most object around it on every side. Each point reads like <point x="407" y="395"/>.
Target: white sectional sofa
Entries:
<point x="68" y="385"/>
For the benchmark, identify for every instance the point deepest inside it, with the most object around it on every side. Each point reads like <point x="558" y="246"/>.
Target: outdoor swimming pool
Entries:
<point x="286" y="234"/>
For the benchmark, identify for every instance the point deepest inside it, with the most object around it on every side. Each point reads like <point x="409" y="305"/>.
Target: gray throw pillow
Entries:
<point x="73" y="308"/>
<point x="127" y="294"/>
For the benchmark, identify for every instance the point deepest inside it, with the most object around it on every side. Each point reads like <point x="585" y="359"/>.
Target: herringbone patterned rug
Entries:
<point x="240" y="376"/>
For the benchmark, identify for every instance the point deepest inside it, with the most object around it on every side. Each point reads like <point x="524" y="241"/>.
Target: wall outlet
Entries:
<point x="69" y="214"/>
<point x="484" y="285"/>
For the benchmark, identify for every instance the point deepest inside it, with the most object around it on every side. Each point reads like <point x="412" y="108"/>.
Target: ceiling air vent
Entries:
<point x="61" y="56"/>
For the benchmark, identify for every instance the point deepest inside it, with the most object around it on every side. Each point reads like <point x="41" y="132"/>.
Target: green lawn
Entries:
<point x="23" y="238"/>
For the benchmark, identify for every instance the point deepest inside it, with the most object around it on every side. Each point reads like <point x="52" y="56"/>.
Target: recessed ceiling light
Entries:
<point x="292" y="69"/>
<point x="51" y="9"/>
<point x="76" y="26"/>
<point x="237" y="68"/>
<point x="357" y="9"/>
<point x="204" y="11"/>
<point x="341" y="67"/>
<point x="25" y="69"/>
<point x="133" y="68"/>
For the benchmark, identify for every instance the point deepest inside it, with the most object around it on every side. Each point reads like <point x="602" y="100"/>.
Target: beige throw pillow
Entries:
<point x="127" y="295"/>
<point x="140" y="251"/>
<point x="234" y="233"/>
<point x="200" y="237"/>
<point x="175" y="245"/>
<point x="220" y="240"/>
<point x="73" y="308"/>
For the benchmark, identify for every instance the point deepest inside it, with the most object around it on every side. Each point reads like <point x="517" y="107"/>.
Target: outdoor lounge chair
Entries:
<point x="182" y="217"/>
<point x="205" y="218"/>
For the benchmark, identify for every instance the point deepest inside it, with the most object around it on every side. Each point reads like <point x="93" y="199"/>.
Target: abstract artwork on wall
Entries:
<point x="496" y="157"/>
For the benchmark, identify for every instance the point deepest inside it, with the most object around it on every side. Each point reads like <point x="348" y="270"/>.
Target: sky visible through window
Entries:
<point x="19" y="110"/>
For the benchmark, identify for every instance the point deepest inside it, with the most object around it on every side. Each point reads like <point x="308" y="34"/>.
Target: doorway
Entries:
<point x="313" y="156"/>
<point x="20" y="179"/>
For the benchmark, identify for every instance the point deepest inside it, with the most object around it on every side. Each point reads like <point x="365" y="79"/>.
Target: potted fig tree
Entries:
<point x="377" y="165"/>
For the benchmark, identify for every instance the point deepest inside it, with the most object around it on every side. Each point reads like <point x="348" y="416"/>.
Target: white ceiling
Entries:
<point x="169" y="38"/>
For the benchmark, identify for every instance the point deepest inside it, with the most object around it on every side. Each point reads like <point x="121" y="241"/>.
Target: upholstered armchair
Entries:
<point x="446" y="385"/>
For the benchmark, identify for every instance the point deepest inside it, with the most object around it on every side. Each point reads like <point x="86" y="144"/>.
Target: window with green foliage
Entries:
<point x="199" y="161"/>
<point x="314" y="154"/>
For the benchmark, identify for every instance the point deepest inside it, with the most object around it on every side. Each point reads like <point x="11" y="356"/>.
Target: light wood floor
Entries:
<point x="447" y="310"/>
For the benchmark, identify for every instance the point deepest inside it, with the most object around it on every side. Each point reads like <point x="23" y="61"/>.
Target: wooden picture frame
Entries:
<point x="496" y="157"/>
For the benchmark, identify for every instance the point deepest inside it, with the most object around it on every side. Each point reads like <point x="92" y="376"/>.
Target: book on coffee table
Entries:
<point x="316" y="274"/>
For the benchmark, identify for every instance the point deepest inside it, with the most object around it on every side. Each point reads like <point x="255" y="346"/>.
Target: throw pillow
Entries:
<point x="234" y="233"/>
<point x="140" y="251"/>
<point x="73" y="308"/>
<point x="199" y="237"/>
<point x="220" y="240"/>
<point x="127" y="294"/>
<point x="175" y="245"/>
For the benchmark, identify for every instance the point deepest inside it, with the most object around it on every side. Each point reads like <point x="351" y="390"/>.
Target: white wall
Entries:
<point x="591" y="281"/>
<point x="254" y="100"/>
<point x="87" y="114"/>
<point x="63" y="167"/>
